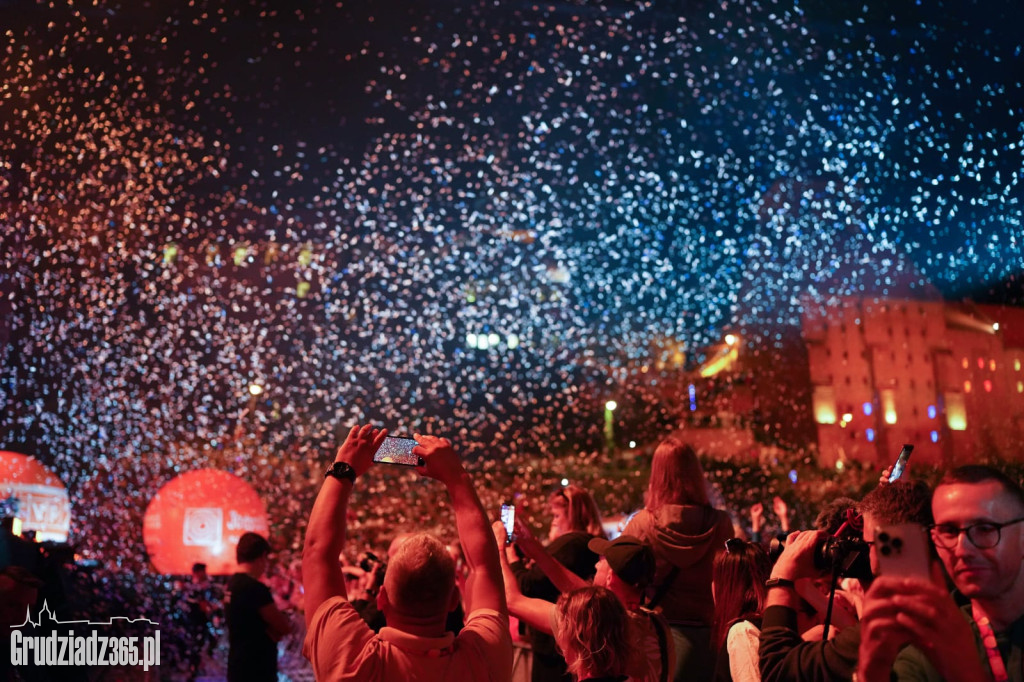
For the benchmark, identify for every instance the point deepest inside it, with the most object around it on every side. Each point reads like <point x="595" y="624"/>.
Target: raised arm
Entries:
<point x="536" y="613"/>
<point x="484" y="584"/>
<point x="325" y="534"/>
<point x="560" y="576"/>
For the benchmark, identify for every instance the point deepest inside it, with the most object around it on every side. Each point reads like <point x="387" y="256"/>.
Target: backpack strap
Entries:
<point x="663" y="588"/>
<point x="660" y="627"/>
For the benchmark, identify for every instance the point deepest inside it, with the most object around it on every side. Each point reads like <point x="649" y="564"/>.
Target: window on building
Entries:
<point x="824" y="405"/>
<point x="956" y="412"/>
<point x="888" y="397"/>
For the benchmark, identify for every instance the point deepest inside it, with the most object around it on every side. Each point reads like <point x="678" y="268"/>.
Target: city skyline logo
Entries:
<point x="65" y="643"/>
<point x="45" y="609"/>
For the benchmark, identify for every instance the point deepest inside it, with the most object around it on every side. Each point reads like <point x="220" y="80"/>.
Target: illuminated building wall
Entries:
<point x="945" y="377"/>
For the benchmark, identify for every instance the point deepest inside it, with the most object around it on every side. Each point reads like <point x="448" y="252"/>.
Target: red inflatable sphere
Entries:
<point x="35" y="495"/>
<point x="198" y="517"/>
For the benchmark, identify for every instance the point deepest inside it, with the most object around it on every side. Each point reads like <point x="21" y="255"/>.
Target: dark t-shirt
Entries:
<point x="252" y="654"/>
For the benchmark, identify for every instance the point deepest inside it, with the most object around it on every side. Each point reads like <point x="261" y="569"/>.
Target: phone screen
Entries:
<point x="901" y="462"/>
<point x="397" y="450"/>
<point x="508" y="519"/>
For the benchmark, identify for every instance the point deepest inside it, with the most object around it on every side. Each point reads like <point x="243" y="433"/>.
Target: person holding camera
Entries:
<point x="808" y="555"/>
<point x="419" y="585"/>
<point x="978" y="632"/>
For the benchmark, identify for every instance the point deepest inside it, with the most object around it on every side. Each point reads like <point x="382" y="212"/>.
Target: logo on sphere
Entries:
<point x="202" y="527"/>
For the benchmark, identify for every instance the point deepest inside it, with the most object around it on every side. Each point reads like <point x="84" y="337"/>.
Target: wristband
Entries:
<point x="779" y="582"/>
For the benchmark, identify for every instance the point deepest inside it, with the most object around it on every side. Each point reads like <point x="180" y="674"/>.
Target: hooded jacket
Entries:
<point x="687" y="536"/>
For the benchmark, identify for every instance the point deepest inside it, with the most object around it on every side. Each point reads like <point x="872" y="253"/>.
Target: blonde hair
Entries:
<point x="593" y="632"/>
<point x="676" y="477"/>
<point x="420" y="577"/>
<point x="580" y="508"/>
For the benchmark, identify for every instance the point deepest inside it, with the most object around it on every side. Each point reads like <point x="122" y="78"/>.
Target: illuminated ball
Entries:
<point x="198" y="517"/>
<point x="38" y="497"/>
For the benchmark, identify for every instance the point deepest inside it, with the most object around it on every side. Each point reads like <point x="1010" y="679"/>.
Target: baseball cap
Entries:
<point x="629" y="558"/>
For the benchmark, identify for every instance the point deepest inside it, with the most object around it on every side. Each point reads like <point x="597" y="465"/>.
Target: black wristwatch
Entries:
<point x="342" y="471"/>
<point x="779" y="582"/>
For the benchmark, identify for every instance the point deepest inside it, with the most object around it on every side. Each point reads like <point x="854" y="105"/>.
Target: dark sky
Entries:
<point x="580" y="184"/>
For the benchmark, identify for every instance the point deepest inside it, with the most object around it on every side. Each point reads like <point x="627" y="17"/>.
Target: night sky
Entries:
<point x="576" y="187"/>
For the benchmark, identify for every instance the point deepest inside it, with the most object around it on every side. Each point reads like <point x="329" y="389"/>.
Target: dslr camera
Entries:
<point x="843" y="553"/>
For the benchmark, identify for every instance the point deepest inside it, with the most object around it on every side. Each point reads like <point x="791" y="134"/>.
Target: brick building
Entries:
<point x="945" y="377"/>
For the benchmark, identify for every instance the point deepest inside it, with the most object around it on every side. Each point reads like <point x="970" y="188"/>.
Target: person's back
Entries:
<point x="252" y="653"/>
<point x="685" y="532"/>
<point x="340" y="643"/>
<point x="685" y="539"/>
<point x="594" y="634"/>
<point x="254" y="622"/>
<point x="419" y="587"/>
<point x="575" y="522"/>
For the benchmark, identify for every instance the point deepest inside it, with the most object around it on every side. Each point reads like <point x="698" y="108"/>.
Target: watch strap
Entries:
<point x="342" y="471"/>
<point x="779" y="582"/>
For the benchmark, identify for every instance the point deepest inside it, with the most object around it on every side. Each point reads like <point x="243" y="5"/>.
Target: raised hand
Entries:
<point x="439" y="459"/>
<point x="359" y="447"/>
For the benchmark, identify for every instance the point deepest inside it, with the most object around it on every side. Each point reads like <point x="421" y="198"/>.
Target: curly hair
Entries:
<point x="899" y="502"/>
<point x="592" y="632"/>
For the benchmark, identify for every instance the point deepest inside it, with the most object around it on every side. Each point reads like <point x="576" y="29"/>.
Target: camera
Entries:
<point x="845" y="553"/>
<point x="368" y="560"/>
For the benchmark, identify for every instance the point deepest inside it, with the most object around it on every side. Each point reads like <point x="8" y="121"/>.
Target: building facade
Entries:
<point x="945" y="377"/>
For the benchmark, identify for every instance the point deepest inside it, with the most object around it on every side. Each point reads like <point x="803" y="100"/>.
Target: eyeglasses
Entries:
<point x="983" y="535"/>
<point x="733" y="545"/>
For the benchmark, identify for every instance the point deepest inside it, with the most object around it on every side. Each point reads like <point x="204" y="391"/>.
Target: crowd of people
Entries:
<point x="159" y="255"/>
<point x="910" y="582"/>
<point x="680" y="590"/>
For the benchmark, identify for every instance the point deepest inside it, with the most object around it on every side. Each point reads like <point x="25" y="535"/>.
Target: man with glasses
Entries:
<point x="979" y="536"/>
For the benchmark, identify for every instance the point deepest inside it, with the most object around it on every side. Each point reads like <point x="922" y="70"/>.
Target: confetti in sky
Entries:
<point x="468" y="216"/>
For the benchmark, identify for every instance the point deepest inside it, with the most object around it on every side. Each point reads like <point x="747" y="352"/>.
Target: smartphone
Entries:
<point x="508" y="519"/>
<point x="902" y="551"/>
<point x="901" y="462"/>
<point x="398" y="450"/>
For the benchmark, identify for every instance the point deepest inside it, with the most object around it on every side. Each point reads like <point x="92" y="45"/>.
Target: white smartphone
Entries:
<point x="902" y="551"/>
<point x="508" y="519"/>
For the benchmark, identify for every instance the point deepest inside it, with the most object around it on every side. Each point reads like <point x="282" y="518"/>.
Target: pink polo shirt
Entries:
<point x="342" y="647"/>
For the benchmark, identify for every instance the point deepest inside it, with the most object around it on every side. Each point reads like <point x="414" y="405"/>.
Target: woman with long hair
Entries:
<point x="738" y="583"/>
<point x="575" y="521"/>
<point x="686" y="533"/>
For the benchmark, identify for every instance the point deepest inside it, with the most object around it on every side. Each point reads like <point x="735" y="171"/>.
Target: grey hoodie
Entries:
<point x="686" y="536"/>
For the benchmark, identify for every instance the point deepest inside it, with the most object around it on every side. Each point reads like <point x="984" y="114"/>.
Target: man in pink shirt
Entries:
<point x="419" y="585"/>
